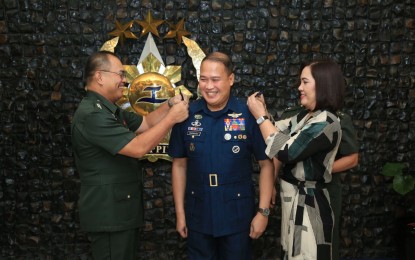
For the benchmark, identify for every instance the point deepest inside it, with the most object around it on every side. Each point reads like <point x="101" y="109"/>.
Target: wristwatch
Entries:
<point x="261" y="119"/>
<point x="264" y="211"/>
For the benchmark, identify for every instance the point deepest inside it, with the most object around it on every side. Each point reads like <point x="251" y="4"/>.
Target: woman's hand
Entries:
<point x="256" y="104"/>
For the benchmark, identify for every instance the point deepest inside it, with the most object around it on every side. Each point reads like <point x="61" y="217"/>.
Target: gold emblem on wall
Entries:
<point x="150" y="82"/>
<point x="148" y="91"/>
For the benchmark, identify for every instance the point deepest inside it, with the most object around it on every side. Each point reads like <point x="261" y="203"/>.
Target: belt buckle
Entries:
<point x="213" y="177"/>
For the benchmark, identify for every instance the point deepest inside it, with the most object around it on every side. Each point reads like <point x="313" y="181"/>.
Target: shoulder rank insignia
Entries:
<point x="235" y="115"/>
<point x="99" y="105"/>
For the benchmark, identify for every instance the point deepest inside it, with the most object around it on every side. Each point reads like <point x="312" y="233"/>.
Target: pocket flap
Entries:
<point x="195" y="192"/>
<point x="126" y="191"/>
<point x="240" y="192"/>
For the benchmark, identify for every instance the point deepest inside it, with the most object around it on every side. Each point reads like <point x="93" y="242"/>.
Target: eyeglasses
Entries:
<point x="122" y="74"/>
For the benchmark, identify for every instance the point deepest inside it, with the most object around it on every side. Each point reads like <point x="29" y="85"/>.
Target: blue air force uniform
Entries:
<point x="220" y="195"/>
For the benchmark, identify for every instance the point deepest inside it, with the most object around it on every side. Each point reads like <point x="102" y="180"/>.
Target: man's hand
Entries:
<point x="181" y="227"/>
<point x="256" y="105"/>
<point x="179" y="112"/>
<point x="177" y="99"/>
<point x="258" y="225"/>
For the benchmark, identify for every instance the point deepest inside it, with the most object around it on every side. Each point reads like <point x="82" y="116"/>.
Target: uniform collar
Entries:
<point x="232" y="105"/>
<point x="101" y="99"/>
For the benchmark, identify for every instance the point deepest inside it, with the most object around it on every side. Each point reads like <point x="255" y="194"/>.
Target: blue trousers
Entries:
<point x="234" y="246"/>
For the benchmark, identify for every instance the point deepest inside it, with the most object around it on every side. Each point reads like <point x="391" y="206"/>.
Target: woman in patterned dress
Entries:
<point x="306" y="144"/>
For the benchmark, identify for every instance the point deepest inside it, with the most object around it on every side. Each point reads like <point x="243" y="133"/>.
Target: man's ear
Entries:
<point x="98" y="77"/>
<point x="232" y="78"/>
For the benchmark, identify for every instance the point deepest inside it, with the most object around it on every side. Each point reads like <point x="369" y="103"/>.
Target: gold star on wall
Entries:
<point x="150" y="25"/>
<point x="123" y="31"/>
<point x="177" y="31"/>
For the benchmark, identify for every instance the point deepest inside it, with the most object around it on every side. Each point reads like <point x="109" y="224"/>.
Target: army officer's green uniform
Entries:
<point x="348" y="145"/>
<point x="110" y="202"/>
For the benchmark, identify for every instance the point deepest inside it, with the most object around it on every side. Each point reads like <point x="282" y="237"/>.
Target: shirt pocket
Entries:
<point x="126" y="191"/>
<point x="194" y="203"/>
<point x="126" y="197"/>
<point x="240" y="202"/>
<point x="236" y="148"/>
<point x="194" y="146"/>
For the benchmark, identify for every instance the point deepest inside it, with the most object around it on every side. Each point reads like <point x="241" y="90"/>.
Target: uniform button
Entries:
<point x="239" y="194"/>
<point x="193" y="192"/>
<point x="128" y="196"/>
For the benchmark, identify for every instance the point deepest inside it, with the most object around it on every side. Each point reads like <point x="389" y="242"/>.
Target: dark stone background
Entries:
<point x="44" y="46"/>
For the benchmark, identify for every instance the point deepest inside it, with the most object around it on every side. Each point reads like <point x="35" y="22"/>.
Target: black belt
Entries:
<point x="306" y="184"/>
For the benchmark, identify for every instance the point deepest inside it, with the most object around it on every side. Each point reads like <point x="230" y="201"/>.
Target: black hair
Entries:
<point x="97" y="61"/>
<point x="222" y="58"/>
<point x="330" y="84"/>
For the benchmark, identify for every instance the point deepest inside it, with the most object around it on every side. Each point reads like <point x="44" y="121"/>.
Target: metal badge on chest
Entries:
<point x="234" y="125"/>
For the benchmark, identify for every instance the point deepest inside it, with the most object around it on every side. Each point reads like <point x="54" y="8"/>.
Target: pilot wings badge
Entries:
<point x="235" y="115"/>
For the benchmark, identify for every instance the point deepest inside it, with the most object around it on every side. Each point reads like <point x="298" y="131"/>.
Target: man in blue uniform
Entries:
<point x="106" y="146"/>
<point x="212" y="165"/>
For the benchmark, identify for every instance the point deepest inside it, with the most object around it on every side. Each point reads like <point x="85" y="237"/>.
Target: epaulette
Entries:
<point x="98" y="104"/>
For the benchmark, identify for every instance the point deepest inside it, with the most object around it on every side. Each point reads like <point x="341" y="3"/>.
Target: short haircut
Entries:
<point x="97" y="61"/>
<point x="222" y="58"/>
<point x="330" y="84"/>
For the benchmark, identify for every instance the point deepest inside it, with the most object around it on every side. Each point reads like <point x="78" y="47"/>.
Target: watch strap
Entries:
<point x="264" y="211"/>
<point x="261" y="119"/>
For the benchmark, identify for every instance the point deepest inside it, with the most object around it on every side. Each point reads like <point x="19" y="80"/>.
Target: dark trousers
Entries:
<point x="120" y="245"/>
<point x="335" y="192"/>
<point x="235" y="246"/>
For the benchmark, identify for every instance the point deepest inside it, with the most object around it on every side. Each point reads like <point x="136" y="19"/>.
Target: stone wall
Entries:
<point x="44" y="46"/>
